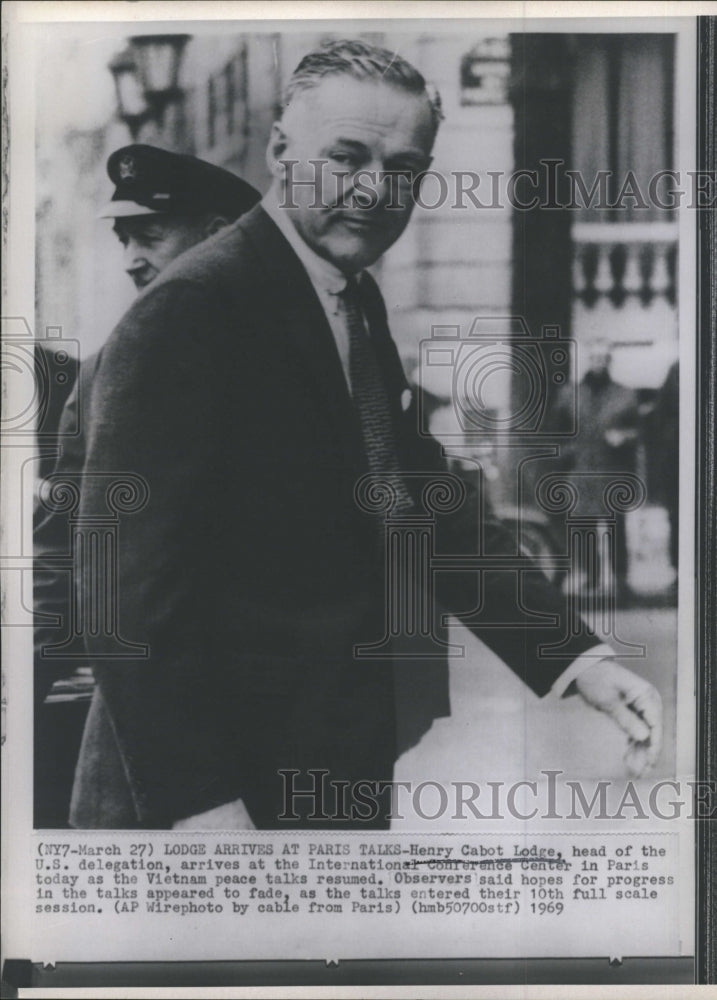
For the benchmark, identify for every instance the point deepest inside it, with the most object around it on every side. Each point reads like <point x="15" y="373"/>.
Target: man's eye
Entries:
<point x="345" y="159"/>
<point x="405" y="172"/>
<point x="149" y="239"/>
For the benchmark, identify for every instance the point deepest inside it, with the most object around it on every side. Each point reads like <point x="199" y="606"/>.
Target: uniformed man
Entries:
<point x="164" y="203"/>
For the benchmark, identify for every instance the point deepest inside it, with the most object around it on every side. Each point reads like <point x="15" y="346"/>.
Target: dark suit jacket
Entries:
<point x="251" y="573"/>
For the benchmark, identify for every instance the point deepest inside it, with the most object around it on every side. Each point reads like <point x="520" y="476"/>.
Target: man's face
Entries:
<point x="152" y="241"/>
<point x="356" y="126"/>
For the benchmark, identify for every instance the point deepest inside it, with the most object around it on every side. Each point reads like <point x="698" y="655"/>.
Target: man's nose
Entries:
<point x="389" y="188"/>
<point x="370" y="186"/>
<point x="384" y="186"/>
<point x="133" y="258"/>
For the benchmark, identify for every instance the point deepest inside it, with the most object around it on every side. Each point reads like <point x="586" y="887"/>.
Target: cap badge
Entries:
<point x="127" y="168"/>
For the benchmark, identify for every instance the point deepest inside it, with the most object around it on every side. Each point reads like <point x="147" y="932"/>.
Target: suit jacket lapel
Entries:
<point x="304" y="325"/>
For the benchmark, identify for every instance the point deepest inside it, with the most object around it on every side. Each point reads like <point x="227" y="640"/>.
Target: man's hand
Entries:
<point x="230" y="816"/>
<point x="633" y="703"/>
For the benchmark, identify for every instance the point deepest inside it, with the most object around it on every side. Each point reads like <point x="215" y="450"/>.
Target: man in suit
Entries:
<point x="606" y="441"/>
<point x="163" y="203"/>
<point x="252" y="386"/>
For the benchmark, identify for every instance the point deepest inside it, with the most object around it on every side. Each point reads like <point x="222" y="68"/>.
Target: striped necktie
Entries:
<point x="371" y="400"/>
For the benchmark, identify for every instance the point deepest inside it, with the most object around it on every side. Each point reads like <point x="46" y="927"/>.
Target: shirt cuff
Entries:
<point x="585" y="660"/>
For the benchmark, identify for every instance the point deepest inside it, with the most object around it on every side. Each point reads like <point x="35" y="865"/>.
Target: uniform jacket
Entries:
<point x="251" y="572"/>
<point x="52" y="579"/>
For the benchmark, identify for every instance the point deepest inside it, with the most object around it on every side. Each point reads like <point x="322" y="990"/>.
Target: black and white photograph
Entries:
<point x="355" y="436"/>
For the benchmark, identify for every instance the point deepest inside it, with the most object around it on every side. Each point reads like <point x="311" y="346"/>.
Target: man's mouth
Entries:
<point x="142" y="278"/>
<point x="361" y="223"/>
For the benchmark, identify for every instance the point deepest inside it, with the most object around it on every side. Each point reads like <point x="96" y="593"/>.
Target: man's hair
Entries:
<point x="362" y="61"/>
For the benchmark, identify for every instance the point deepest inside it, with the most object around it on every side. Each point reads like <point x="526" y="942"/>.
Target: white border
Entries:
<point x="19" y="282"/>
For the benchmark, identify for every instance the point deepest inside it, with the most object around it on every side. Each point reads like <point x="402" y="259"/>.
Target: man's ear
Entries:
<point x="278" y="141"/>
<point x="214" y="224"/>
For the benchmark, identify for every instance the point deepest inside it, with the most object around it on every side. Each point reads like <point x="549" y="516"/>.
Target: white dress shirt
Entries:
<point x="328" y="281"/>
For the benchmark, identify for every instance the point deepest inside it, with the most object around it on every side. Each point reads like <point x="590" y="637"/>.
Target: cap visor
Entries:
<point x="125" y="209"/>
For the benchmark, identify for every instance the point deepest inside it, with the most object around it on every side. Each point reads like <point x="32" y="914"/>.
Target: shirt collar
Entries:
<point x="323" y="275"/>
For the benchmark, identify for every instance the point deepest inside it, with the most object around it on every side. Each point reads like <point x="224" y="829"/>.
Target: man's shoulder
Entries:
<point x="230" y="256"/>
<point x="88" y="367"/>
